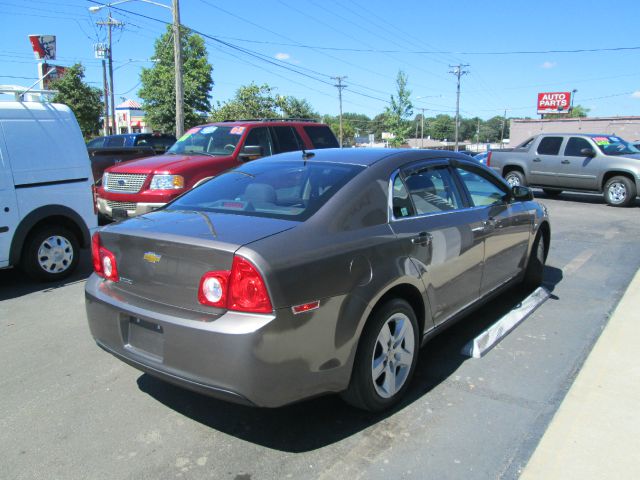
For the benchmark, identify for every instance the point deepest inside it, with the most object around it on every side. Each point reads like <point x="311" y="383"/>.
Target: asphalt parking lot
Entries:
<point x="72" y="411"/>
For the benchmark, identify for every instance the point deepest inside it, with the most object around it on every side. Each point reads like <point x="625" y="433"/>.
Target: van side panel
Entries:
<point x="8" y="206"/>
<point x="44" y="144"/>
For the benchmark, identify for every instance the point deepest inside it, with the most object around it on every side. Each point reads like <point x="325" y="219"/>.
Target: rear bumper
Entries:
<point x="133" y="209"/>
<point x="260" y="360"/>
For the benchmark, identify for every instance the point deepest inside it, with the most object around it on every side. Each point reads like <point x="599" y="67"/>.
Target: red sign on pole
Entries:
<point x="554" y="102"/>
<point x="44" y="46"/>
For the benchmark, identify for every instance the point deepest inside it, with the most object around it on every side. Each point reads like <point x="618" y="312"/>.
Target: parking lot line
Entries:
<point x="484" y="342"/>
<point x="578" y="262"/>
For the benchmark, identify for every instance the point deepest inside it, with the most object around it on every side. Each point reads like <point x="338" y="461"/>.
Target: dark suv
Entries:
<point x="160" y="142"/>
<point x="140" y="186"/>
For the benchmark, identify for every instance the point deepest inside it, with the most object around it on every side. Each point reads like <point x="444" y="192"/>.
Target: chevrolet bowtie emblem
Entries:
<point x="152" y="257"/>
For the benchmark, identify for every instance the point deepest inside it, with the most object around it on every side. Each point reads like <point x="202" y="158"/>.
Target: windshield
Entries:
<point x="614" y="146"/>
<point x="208" y="140"/>
<point x="292" y="190"/>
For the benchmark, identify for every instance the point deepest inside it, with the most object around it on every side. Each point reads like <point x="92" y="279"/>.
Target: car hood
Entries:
<point x="164" y="163"/>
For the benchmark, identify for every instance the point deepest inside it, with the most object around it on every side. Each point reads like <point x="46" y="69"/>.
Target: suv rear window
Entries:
<point x="114" y="142"/>
<point x="285" y="190"/>
<point x="549" y="145"/>
<point x="321" y="136"/>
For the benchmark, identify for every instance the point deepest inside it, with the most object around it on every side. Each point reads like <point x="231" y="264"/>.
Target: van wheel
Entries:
<point x="515" y="178"/>
<point x="51" y="253"/>
<point x="619" y="192"/>
<point x="386" y="358"/>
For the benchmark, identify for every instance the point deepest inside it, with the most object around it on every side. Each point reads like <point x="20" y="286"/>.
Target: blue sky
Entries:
<point x="367" y="41"/>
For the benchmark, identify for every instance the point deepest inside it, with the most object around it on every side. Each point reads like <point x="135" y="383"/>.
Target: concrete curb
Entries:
<point x="594" y="433"/>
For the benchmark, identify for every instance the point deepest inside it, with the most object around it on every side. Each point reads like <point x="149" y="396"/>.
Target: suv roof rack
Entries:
<point x="21" y="92"/>
<point x="273" y="120"/>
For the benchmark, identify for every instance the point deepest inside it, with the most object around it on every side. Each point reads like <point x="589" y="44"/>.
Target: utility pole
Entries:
<point x="458" y="72"/>
<point x="504" y="121"/>
<point x="110" y="23"/>
<point x="478" y="136"/>
<point x="422" y="128"/>
<point x="177" y="48"/>
<point x="340" y="86"/>
<point x="105" y="124"/>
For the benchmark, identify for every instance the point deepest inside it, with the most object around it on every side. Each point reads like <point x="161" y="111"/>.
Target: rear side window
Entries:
<point x="285" y="190"/>
<point x="550" y="146"/>
<point x="286" y="139"/>
<point x="574" y="145"/>
<point x="114" y="142"/>
<point x="432" y="190"/>
<point x="321" y="136"/>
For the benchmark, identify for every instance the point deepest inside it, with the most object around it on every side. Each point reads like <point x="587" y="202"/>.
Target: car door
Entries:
<point x="576" y="169"/>
<point x="545" y="163"/>
<point x="506" y="226"/>
<point x="443" y="240"/>
<point x="9" y="215"/>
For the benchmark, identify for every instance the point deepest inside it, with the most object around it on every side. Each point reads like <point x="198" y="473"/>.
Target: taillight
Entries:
<point x="489" y="158"/>
<point x="104" y="261"/>
<point x="242" y="289"/>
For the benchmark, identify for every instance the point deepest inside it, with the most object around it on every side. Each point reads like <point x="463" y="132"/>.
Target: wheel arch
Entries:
<point x="511" y="167"/>
<point x="617" y="173"/>
<point x="409" y="293"/>
<point x="48" y="215"/>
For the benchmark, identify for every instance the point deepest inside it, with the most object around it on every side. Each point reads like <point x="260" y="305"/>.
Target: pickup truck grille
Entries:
<point x="124" y="205"/>
<point x="123" y="182"/>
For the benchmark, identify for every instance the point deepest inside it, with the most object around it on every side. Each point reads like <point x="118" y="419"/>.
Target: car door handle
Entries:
<point x="537" y="159"/>
<point x="490" y="224"/>
<point x="423" y="239"/>
<point x="565" y="162"/>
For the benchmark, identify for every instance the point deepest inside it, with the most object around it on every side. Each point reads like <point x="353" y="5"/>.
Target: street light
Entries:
<point x="177" y="49"/>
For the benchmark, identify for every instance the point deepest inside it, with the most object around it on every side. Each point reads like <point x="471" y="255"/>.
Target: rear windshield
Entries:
<point x="286" y="190"/>
<point x="610" y="145"/>
<point x="208" y="140"/>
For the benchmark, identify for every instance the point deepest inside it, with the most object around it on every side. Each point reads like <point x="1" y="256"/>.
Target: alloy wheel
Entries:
<point x="393" y="355"/>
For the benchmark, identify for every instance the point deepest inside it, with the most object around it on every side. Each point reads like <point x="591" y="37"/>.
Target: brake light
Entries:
<point x="104" y="261"/>
<point x="242" y="289"/>
<point x="489" y="158"/>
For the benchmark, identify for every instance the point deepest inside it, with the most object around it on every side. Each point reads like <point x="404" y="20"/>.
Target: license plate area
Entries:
<point x="145" y="338"/>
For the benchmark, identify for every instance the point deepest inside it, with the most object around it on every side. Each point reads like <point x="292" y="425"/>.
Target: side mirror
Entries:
<point x="251" y="152"/>
<point x="588" y="152"/>
<point x="521" y="194"/>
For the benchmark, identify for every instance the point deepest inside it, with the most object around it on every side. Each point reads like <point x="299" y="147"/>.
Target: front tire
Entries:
<point x="50" y="253"/>
<point x="535" y="267"/>
<point x="619" y="191"/>
<point x="515" y="178"/>
<point x="386" y="358"/>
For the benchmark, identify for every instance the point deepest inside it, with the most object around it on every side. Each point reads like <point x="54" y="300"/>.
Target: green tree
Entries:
<point x="158" y="82"/>
<point x="578" y="111"/>
<point x="85" y="101"/>
<point x="259" y="101"/>
<point x="442" y="127"/>
<point x="398" y="114"/>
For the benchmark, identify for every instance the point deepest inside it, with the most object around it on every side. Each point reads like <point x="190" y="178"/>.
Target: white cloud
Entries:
<point x="548" y="64"/>
<point x="636" y="94"/>
<point x="283" y="56"/>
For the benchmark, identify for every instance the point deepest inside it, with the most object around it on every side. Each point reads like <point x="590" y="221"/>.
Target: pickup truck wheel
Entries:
<point x="550" y="192"/>
<point x="515" y="178"/>
<point x="386" y="358"/>
<point x="619" y="192"/>
<point x="50" y="253"/>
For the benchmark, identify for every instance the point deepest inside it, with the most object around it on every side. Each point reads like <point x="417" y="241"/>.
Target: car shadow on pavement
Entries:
<point x="316" y="423"/>
<point x="578" y="197"/>
<point x="14" y="283"/>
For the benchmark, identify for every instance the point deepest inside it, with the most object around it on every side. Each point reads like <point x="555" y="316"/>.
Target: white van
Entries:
<point x="46" y="200"/>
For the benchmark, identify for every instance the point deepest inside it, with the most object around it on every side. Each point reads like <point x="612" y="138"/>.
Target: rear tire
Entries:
<point x="386" y="358"/>
<point x="619" y="191"/>
<point x="50" y="253"/>
<point x="515" y="178"/>
<point x="535" y="267"/>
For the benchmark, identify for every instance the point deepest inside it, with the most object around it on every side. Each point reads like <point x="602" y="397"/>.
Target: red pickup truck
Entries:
<point x="140" y="186"/>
